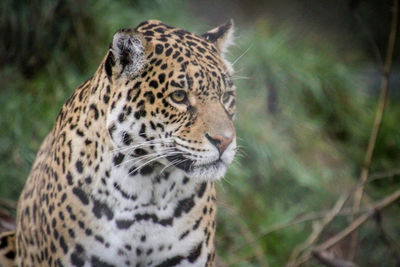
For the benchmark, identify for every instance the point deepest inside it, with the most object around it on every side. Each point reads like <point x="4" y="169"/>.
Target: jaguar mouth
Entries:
<point x="190" y="167"/>
<point x="181" y="162"/>
<point x="215" y="164"/>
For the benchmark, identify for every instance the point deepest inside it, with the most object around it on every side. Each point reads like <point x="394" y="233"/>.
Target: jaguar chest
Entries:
<point x="149" y="219"/>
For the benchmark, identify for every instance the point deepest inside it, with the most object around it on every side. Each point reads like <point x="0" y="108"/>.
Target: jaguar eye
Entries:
<point x="226" y="96"/>
<point x="179" y="96"/>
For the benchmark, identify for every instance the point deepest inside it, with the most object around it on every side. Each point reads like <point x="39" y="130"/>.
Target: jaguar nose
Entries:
<point x="220" y="142"/>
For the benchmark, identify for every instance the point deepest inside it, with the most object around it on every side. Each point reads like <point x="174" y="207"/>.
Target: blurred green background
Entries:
<point x="307" y="78"/>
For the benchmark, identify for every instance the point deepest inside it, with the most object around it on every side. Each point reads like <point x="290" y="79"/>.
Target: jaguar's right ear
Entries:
<point x="126" y="56"/>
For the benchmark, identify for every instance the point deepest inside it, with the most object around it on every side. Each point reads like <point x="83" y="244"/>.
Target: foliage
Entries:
<point x="304" y="118"/>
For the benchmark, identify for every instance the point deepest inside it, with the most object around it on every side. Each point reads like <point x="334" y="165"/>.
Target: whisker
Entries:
<point x="238" y="155"/>
<point x="140" y="158"/>
<point x="159" y="157"/>
<point x="237" y="70"/>
<point x="226" y="180"/>
<point x="174" y="163"/>
<point x="242" y="153"/>
<point x="240" y="78"/>
<point x="245" y="52"/>
<point x="169" y="165"/>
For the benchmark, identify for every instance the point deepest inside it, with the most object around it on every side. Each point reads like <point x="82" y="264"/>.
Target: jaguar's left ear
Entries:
<point x="126" y="56"/>
<point x="221" y="36"/>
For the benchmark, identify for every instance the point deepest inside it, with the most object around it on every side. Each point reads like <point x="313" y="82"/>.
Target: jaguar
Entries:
<point x="126" y="177"/>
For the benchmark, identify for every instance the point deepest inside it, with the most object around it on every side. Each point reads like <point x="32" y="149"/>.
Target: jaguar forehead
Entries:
<point x="186" y="51"/>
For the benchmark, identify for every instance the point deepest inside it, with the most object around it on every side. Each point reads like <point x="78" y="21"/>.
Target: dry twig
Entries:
<point x="383" y="175"/>
<point x="8" y="203"/>
<point x="329" y="260"/>
<point x="298" y="254"/>
<point x="360" y="220"/>
<point x="318" y="230"/>
<point x="378" y="120"/>
<point x="352" y="227"/>
<point x="314" y="215"/>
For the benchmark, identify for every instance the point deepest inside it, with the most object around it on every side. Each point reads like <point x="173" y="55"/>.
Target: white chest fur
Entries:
<point x="155" y="218"/>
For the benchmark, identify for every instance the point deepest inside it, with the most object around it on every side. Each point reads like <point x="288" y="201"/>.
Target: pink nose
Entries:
<point x="220" y="142"/>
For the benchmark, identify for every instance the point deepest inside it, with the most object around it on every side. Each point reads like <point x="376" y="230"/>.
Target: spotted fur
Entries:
<point x="126" y="176"/>
<point x="7" y="248"/>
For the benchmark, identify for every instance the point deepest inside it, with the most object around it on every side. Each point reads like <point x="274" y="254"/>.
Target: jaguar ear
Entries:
<point x="221" y="36"/>
<point x="126" y="56"/>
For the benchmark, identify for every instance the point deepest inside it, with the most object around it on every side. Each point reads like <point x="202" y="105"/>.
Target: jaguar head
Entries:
<point x="173" y="99"/>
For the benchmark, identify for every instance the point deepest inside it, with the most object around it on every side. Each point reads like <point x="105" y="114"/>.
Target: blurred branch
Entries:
<point x="383" y="175"/>
<point x="360" y="220"/>
<point x="8" y="203"/>
<point x="378" y="120"/>
<point x="312" y="216"/>
<point x="393" y="246"/>
<point x="313" y="237"/>
<point x="351" y="228"/>
<point x="302" y="252"/>
<point x="7" y="222"/>
<point x="328" y="259"/>
<point x="370" y="39"/>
